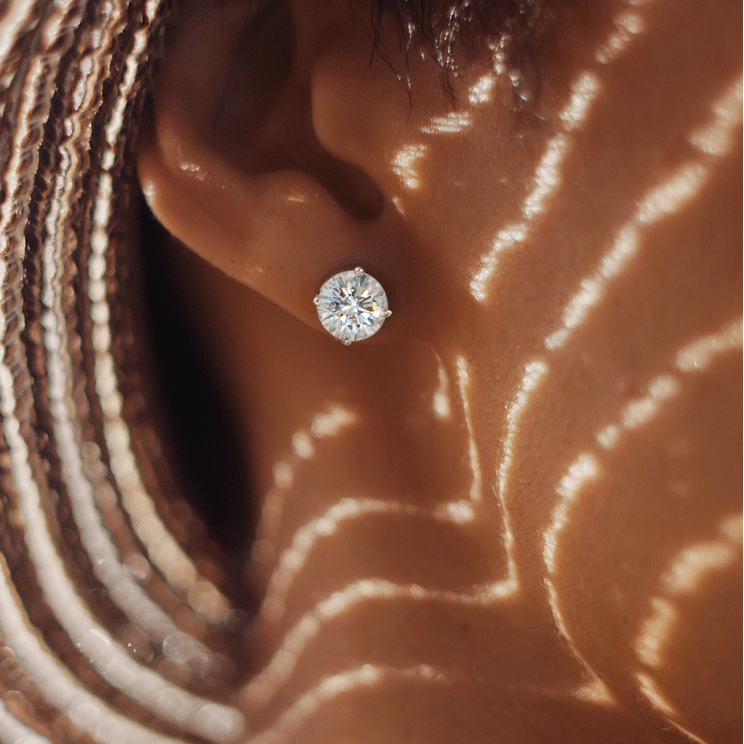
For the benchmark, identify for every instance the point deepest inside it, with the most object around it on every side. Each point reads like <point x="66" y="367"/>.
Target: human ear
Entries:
<point x="237" y="162"/>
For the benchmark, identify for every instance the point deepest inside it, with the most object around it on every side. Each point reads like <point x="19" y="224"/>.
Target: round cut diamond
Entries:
<point x="352" y="306"/>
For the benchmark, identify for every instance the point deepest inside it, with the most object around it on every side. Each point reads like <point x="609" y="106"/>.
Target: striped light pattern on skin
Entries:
<point x="547" y="178"/>
<point x="335" y="686"/>
<point x="714" y="142"/>
<point x="262" y="688"/>
<point x="660" y="201"/>
<point x="158" y="555"/>
<point x="325" y="425"/>
<point x="689" y="569"/>
<point x="587" y="469"/>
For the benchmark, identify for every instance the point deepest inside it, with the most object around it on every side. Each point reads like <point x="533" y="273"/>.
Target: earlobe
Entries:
<point x="279" y="222"/>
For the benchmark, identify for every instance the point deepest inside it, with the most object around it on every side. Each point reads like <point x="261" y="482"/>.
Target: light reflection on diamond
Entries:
<point x="352" y="306"/>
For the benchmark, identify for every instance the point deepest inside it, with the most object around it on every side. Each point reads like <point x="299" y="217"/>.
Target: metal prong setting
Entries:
<point x="358" y="270"/>
<point x="316" y="300"/>
<point x="388" y="313"/>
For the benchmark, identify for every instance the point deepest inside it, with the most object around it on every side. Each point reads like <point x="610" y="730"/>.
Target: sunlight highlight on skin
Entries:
<point x="441" y="400"/>
<point x="585" y="469"/>
<point x="534" y="374"/>
<point x="280" y="668"/>
<point x="717" y="138"/>
<point x="627" y="25"/>
<point x="665" y="199"/>
<point x="701" y="353"/>
<point x="451" y="123"/>
<point x="367" y="676"/>
<point x="332" y="422"/>
<point x="584" y="92"/>
<point x="545" y="183"/>
<point x="596" y="692"/>
<point x="293" y="559"/>
<point x="643" y="410"/>
<point x="654" y="631"/>
<point x="325" y="425"/>
<point x="302" y="445"/>
<point x="481" y="91"/>
<point x="405" y="165"/>
<point x="694" y="563"/>
<point x="662" y="200"/>
<point x="689" y="570"/>
<point x="651" y="692"/>
<point x="463" y="381"/>
<point x="406" y="161"/>
<point x="697" y="356"/>
<point x="637" y="413"/>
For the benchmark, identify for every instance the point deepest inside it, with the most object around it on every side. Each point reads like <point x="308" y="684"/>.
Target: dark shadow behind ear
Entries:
<point x="199" y="422"/>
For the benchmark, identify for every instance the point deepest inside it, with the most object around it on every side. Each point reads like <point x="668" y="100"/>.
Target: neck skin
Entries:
<point x="513" y="511"/>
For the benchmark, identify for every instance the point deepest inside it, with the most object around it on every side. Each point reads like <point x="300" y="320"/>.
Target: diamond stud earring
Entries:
<point x="352" y="306"/>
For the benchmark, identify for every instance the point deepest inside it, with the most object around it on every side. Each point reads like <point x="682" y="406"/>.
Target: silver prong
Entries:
<point x="358" y="270"/>
<point x="345" y="342"/>
<point x="388" y="313"/>
<point x="316" y="300"/>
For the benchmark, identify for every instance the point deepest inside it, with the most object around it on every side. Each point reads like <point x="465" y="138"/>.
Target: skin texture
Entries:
<point x="535" y="464"/>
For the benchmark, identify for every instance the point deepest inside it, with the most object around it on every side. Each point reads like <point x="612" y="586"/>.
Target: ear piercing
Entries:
<point x="352" y="306"/>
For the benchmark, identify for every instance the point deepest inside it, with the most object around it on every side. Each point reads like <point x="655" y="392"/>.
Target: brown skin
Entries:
<point x="275" y="164"/>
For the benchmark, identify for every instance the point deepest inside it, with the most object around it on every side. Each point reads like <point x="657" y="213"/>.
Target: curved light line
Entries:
<point x="587" y="468"/>
<point x="686" y="572"/>
<point x="547" y="177"/>
<point x="293" y="559"/>
<point x="658" y="202"/>
<point x="689" y="568"/>
<point x="465" y="511"/>
<point x="282" y="664"/>
<point x="334" y="686"/>
<point x="701" y="353"/>
<point x="534" y="374"/>
<point x="324" y="425"/>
